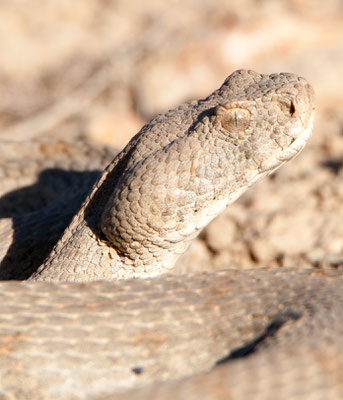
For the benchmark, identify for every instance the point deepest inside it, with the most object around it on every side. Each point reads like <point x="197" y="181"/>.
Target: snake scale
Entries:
<point x="261" y="334"/>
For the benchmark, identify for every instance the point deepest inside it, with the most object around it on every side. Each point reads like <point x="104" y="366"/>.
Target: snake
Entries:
<point x="90" y="307"/>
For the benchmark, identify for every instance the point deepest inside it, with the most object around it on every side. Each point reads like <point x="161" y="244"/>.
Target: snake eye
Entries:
<point x="234" y="119"/>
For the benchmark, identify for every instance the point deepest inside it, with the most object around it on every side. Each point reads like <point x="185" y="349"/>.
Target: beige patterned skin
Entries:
<point x="179" y="172"/>
<point x="277" y="333"/>
<point x="280" y="331"/>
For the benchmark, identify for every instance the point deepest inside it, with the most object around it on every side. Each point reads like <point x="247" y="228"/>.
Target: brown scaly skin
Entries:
<point x="180" y="171"/>
<point x="276" y="332"/>
<point x="84" y="341"/>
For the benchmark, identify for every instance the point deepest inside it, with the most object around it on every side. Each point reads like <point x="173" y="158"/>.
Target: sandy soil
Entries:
<point x="101" y="69"/>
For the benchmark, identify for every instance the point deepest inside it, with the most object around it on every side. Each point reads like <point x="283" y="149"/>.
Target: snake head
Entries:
<point x="185" y="166"/>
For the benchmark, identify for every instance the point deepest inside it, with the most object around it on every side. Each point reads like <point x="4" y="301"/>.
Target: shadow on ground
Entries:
<point x="40" y="213"/>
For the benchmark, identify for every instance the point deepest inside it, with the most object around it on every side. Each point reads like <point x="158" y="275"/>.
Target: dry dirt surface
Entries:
<point x="100" y="69"/>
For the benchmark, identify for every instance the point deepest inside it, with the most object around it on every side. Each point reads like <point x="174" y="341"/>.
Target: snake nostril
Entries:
<point x="292" y="108"/>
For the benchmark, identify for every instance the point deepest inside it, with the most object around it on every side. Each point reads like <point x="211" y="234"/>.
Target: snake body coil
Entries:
<point x="279" y="331"/>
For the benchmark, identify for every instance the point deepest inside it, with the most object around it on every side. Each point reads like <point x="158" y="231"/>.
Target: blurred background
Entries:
<point x="100" y="69"/>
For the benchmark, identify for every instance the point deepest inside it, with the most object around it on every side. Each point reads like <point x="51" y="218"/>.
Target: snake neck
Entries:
<point x="80" y="256"/>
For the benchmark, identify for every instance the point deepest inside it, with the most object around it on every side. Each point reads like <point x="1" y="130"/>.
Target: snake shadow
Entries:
<point x="33" y="218"/>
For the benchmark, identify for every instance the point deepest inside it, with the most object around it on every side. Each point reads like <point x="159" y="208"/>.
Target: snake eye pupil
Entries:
<point x="235" y="119"/>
